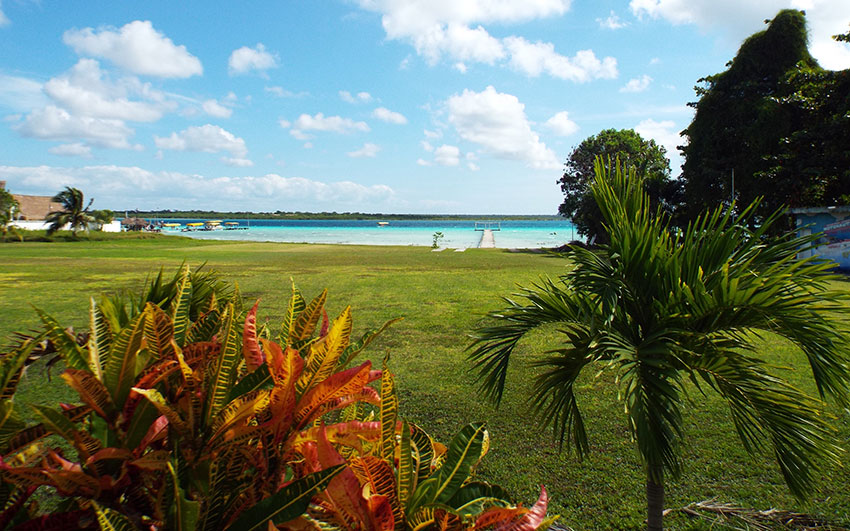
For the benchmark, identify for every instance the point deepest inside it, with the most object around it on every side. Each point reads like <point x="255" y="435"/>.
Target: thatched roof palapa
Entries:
<point x="134" y="223"/>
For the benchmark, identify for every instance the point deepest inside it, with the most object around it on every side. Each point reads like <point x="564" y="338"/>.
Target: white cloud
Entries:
<point x="84" y="91"/>
<point x="4" y="20"/>
<point x="638" y="84"/>
<point x="453" y="29"/>
<point x="214" y="108"/>
<point x="438" y="27"/>
<point x="432" y="134"/>
<point x="540" y="57"/>
<point x="612" y="22"/>
<point x="446" y="155"/>
<point x="245" y="59"/>
<point x="53" y="123"/>
<point x="497" y="122"/>
<point x="368" y="150"/>
<point x="121" y="187"/>
<point x="21" y="94"/>
<point x="386" y="115"/>
<point x="427" y="146"/>
<point x="72" y="150"/>
<point x="360" y="97"/>
<point x="665" y="134"/>
<point x="561" y="125"/>
<point x="320" y="122"/>
<point x="207" y="138"/>
<point x="136" y="47"/>
<point x="737" y="20"/>
<point x="237" y="162"/>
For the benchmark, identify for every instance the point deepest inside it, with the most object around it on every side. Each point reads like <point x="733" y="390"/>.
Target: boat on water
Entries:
<point x="383" y="223"/>
<point x="193" y="226"/>
<point x="174" y="226"/>
<point x="212" y="224"/>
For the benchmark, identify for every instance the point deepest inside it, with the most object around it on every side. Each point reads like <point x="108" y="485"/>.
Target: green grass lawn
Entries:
<point x="441" y="297"/>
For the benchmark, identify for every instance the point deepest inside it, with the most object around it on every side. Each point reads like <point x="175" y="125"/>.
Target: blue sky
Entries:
<point x="394" y="106"/>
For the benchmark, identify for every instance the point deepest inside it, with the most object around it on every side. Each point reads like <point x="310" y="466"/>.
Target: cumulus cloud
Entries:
<point x="84" y="90"/>
<point x="20" y="93"/>
<point x="446" y="155"/>
<point x="214" y="108"/>
<point x="207" y="138"/>
<point x="113" y="185"/>
<point x="561" y="125"/>
<point x="612" y="22"/>
<point x="245" y="59"/>
<point x="368" y="150"/>
<point x="740" y="19"/>
<point x="53" y="123"/>
<point x="456" y="30"/>
<point x="322" y="123"/>
<point x="638" y="84"/>
<point x="76" y="149"/>
<point x="360" y="97"/>
<point x="386" y="115"/>
<point x="497" y="122"/>
<point x="136" y="47"/>
<point x="540" y="57"/>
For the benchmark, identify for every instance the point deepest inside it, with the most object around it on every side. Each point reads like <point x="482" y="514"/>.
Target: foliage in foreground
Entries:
<point x="664" y="311"/>
<point x="192" y="418"/>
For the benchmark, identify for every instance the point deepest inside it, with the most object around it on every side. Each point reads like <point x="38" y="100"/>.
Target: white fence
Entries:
<point x="115" y="226"/>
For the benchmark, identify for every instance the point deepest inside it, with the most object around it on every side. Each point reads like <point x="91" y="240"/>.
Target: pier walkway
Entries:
<point x="487" y="240"/>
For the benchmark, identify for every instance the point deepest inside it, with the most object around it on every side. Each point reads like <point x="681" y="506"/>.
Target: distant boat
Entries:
<point x="171" y="225"/>
<point x="233" y="225"/>
<point x="383" y="223"/>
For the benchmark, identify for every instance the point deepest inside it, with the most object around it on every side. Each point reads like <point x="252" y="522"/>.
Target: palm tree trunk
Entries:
<point x="655" y="498"/>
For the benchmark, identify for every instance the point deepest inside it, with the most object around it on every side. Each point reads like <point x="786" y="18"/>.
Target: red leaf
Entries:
<point x="250" y="346"/>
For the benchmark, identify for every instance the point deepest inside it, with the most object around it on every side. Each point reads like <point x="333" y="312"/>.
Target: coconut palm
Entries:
<point x="662" y="309"/>
<point x="73" y="212"/>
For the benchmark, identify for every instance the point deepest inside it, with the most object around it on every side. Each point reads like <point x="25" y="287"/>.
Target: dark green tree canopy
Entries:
<point x="74" y="213"/>
<point x="769" y="118"/>
<point x="648" y="158"/>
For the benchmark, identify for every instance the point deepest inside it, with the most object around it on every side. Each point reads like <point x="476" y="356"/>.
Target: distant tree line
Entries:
<point x="205" y="214"/>
<point x="774" y="119"/>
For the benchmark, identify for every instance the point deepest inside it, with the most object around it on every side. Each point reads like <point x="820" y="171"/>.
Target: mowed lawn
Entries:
<point x="441" y="296"/>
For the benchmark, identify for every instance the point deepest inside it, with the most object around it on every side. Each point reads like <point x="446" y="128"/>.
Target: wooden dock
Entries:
<point x="487" y="240"/>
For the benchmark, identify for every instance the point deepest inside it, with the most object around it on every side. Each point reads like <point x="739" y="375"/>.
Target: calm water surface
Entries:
<point x="456" y="234"/>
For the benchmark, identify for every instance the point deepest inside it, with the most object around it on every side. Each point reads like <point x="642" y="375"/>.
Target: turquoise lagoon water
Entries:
<point x="456" y="234"/>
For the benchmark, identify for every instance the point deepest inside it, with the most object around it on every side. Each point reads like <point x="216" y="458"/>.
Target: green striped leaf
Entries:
<point x="121" y="368"/>
<point x="11" y="366"/>
<point x="294" y="309"/>
<point x="389" y="414"/>
<point x="224" y="368"/>
<point x="463" y="453"/>
<point x="100" y="339"/>
<point x="66" y="344"/>
<point x="181" y="307"/>
<point x="286" y="504"/>
<point x="110" y="520"/>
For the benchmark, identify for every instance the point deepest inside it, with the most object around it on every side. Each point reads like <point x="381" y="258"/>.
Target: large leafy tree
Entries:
<point x="629" y="147"/>
<point x="664" y="311"/>
<point x="743" y="121"/>
<point x="74" y="213"/>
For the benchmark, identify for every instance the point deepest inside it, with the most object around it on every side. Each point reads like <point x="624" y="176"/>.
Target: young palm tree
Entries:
<point x="661" y="310"/>
<point x="73" y="213"/>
